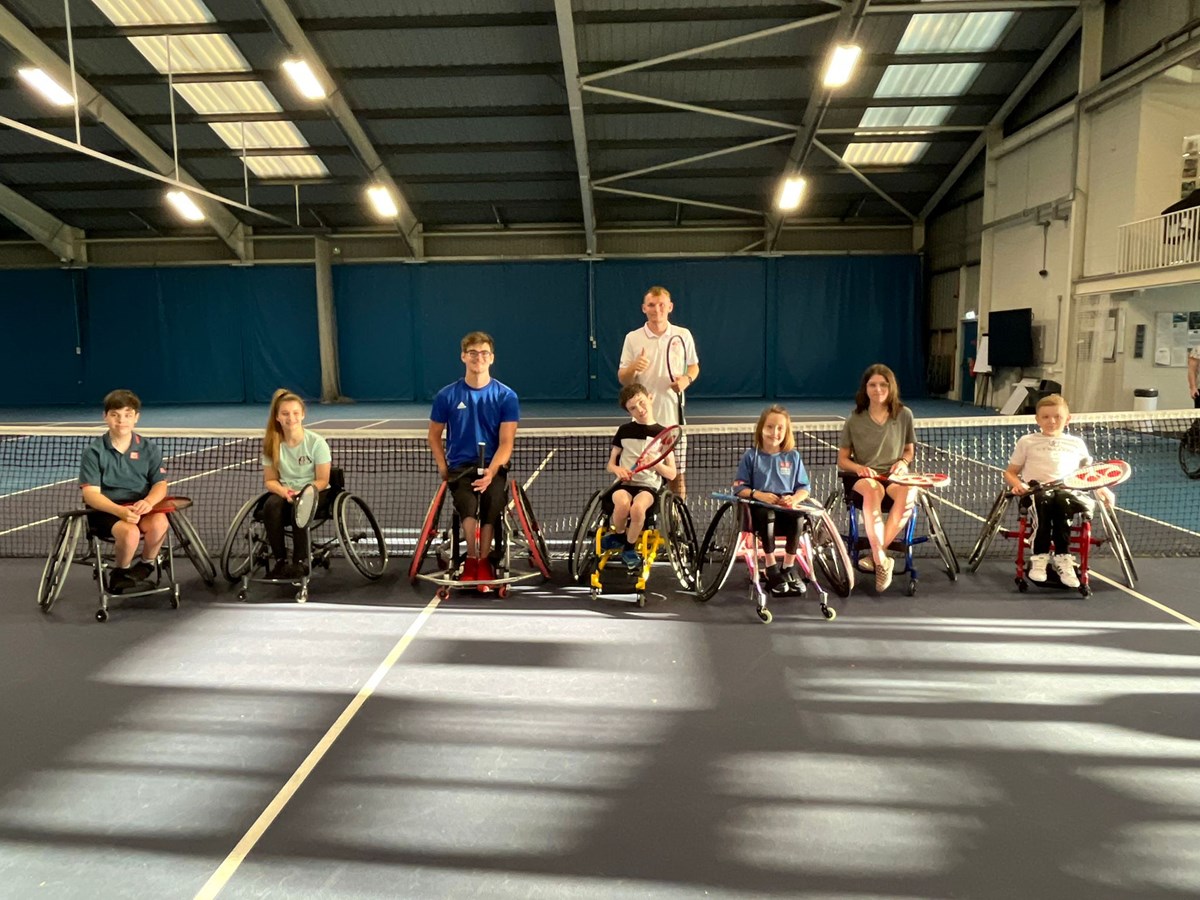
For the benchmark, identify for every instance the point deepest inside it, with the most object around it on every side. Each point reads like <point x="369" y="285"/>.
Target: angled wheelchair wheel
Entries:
<point x="718" y="550"/>
<point x="582" y="559"/>
<point x="539" y="553"/>
<point x="360" y="536"/>
<point x="1189" y="450"/>
<point x="991" y="525"/>
<point x="682" y="547"/>
<point x="428" y="529"/>
<point x="189" y="540"/>
<point x="937" y="535"/>
<point x="239" y="545"/>
<point x="829" y="554"/>
<point x="58" y="563"/>
<point x="1120" y="546"/>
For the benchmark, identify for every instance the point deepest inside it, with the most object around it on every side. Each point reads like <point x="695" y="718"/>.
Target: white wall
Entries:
<point x="1113" y="161"/>
<point x="1170" y="112"/>
<point x="1036" y="173"/>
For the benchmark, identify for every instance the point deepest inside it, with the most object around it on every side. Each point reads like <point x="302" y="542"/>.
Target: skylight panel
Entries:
<point x="259" y="135"/>
<point x="154" y="12"/>
<point x="904" y="116"/>
<point x="929" y="80"/>
<point x="192" y="53"/>
<point x="954" y="32"/>
<point x="893" y="153"/>
<point x="287" y="166"/>
<point x="224" y="97"/>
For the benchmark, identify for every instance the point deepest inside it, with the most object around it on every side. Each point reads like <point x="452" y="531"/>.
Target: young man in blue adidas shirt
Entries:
<point x="475" y="409"/>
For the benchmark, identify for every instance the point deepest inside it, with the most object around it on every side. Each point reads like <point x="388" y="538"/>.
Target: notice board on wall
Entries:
<point x="1174" y="334"/>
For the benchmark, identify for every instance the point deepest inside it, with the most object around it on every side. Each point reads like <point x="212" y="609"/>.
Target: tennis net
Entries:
<point x="393" y="472"/>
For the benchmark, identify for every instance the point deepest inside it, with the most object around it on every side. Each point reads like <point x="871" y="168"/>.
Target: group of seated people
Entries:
<point x="471" y="434"/>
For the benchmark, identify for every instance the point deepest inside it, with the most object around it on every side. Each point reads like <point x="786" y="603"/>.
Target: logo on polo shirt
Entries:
<point x="785" y="465"/>
<point x="133" y="455"/>
<point x="304" y="460"/>
<point x="461" y="405"/>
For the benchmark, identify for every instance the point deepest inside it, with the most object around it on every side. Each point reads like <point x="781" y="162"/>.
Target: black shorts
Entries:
<point x="849" y="479"/>
<point x="606" y="502"/>
<point x="489" y="506"/>
<point x="101" y="523"/>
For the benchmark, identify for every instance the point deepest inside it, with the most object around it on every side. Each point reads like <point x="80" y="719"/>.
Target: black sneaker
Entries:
<point x="776" y="583"/>
<point x="294" y="570"/>
<point x="279" y="569"/>
<point x="795" y="584"/>
<point x="119" y="580"/>
<point x="141" y="570"/>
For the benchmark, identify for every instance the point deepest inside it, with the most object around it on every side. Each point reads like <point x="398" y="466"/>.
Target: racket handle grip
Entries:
<point x="482" y="453"/>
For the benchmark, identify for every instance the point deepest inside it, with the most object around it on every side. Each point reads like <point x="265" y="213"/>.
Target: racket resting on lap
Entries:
<point x="658" y="449"/>
<point x="918" y="479"/>
<point x="1099" y="475"/>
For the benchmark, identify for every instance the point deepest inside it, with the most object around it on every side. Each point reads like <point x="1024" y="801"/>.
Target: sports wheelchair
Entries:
<point x="357" y="534"/>
<point x="518" y="530"/>
<point x="73" y="525"/>
<point x="1082" y="540"/>
<point x="907" y="539"/>
<point x="731" y="533"/>
<point x="588" y="560"/>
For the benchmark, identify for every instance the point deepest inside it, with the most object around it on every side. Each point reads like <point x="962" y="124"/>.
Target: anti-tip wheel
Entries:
<point x="1085" y="591"/>
<point x="764" y="615"/>
<point x="101" y="615"/>
<point x="502" y="591"/>
<point x="912" y="588"/>
<point x="641" y="599"/>
<point x="828" y="612"/>
<point x="175" y="598"/>
<point x="1022" y="585"/>
<point x="443" y="593"/>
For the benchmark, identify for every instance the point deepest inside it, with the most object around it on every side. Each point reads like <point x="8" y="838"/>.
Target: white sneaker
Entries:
<point x="1064" y="565"/>
<point x="1037" y="567"/>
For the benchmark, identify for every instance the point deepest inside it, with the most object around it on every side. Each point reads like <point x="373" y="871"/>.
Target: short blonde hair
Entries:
<point x="658" y="291"/>
<point x="1054" y="400"/>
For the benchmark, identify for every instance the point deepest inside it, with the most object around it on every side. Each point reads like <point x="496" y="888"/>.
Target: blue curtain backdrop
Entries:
<point x="780" y="327"/>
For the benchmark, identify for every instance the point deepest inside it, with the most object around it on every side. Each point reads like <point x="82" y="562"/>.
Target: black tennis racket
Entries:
<point x="677" y="366"/>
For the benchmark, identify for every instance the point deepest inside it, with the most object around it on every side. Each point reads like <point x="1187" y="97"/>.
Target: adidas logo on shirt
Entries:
<point x="461" y="405"/>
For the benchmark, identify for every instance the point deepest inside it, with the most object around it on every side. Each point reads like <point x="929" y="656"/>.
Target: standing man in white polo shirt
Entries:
<point x="644" y="359"/>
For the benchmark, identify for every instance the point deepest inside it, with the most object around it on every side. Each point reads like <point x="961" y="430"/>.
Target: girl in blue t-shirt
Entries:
<point x="772" y="472"/>
<point x="291" y="458"/>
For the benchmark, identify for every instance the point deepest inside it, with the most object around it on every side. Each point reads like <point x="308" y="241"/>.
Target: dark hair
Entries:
<point x="274" y="433"/>
<point x="789" y="440"/>
<point x="478" y="337"/>
<point x="862" y="401"/>
<point x="121" y="399"/>
<point x="630" y="391"/>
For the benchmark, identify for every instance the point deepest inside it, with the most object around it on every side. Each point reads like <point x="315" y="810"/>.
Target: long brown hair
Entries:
<point x="789" y="440"/>
<point x="273" y="434"/>
<point x="862" y="401"/>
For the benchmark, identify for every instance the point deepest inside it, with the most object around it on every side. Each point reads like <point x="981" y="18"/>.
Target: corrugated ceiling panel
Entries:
<point x="452" y="93"/>
<point x="334" y="9"/>
<point x="416" y="132"/>
<point x="438" y="46"/>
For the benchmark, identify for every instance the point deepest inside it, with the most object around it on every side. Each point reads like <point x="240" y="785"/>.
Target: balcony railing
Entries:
<point x="1160" y="242"/>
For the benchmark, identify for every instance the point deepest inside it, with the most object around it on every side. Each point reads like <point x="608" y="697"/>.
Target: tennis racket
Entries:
<point x="677" y="366"/>
<point x="167" y="505"/>
<point x="304" y="506"/>
<point x="658" y="449"/>
<point x="1089" y="478"/>
<point x="918" y="479"/>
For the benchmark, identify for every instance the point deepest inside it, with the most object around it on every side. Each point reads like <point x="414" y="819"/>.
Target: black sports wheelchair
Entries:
<point x="668" y="525"/>
<point x="76" y="542"/>
<point x="246" y="555"/>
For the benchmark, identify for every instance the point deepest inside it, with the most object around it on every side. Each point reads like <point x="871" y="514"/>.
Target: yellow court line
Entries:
<point x="225" y="871"/>
<point x="1132" y="593"/>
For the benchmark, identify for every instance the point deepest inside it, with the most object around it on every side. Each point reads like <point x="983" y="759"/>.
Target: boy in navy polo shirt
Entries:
<point x="122" y="478"/>
<point x="473" y="410"/>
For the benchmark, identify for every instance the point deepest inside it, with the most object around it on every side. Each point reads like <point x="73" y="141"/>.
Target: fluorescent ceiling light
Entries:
<point x="46" y="86"/>
<point x="185" y="206"/>
<point x="192" y="53"/>
<point x="305" y="80"/>
<point x="889" y="153"/>
<point x="929" y="80"/>
<point x="791" y="194"/>
<point x="840" y="67"/>
<point x="306" y="166"/>
<point x="954" y="32"/>
<point x="383" y="201"/>
<point x="154" y="12"/>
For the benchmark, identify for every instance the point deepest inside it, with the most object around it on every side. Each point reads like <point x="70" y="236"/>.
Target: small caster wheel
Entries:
<point x="102" y="615"/>
<point x="502" y="591"/>
<point x="952" y="575"/>
<point x="595" y="592"/>
<point x="1085" y="591"/>
<point x="241" y="596"/>
<point x="641" y="598"/>
<point x="1022" y="585"/>
<point x="175" y="598"/>
<point x="828" y="612"/>
<point x="912" y="588"/>
<point x="764" y="615"/>
<point x="443" y="593"/>
<point x="302" y="596"/>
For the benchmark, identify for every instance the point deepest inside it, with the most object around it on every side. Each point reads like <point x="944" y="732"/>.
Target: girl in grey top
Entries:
<point x="877" y="440"/>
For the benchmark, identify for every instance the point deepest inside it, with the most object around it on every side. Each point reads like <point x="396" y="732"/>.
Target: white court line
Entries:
<point x="1140" y="596"/>
<point x="370" y="425"/>
<point x="225" y="871"/>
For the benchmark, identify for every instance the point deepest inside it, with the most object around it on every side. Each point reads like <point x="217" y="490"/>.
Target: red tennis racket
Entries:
<point x="168" y="505"/>
<point x="1099" y="475"/>
<point x="658" y="449"/>
<point x="918" y="479"/>
<point x="677" y="366"/>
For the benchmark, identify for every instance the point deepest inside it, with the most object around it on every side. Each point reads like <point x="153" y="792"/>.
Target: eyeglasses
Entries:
<point x="478" y="354"/>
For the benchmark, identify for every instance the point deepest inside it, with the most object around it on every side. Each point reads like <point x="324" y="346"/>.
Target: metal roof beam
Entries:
<point x="691" y="159"/>
<point x="969" y="6"/>
<point x="570" y="61"/>
<point x="1049" y="55"/>
<point x="284" y="23"/>
<point x="683" y="200"/>
<point x="689" y="107"/>
<point x="61" y="239"/>
<point x="26" y="43"/>
<point x="864" y="179"/>
<point x="818" y="99"/>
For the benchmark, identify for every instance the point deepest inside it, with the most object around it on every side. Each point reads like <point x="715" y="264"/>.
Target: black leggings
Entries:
<point x="276" y="514"/>
<point x="1053" y="510"/>
<point x="787" y="526"/>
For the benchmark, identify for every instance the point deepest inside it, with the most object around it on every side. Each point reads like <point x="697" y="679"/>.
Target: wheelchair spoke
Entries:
<point x="193" y="546"/>
<point x="1116" y="539"/>
<point x="830" y="556"/>
<point x="236" y="551"/>
<point x="718" y="550"/>
<point x="539" y="554"/>
<point x="58" y="564"/>
<point x="682" y="547"/>
<point x="428" y="528"/>
<point x="583" y="543"/>
<point x="937" y="534"/>
<point x="360" y="536"/>
<point x="990" y="527"/>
